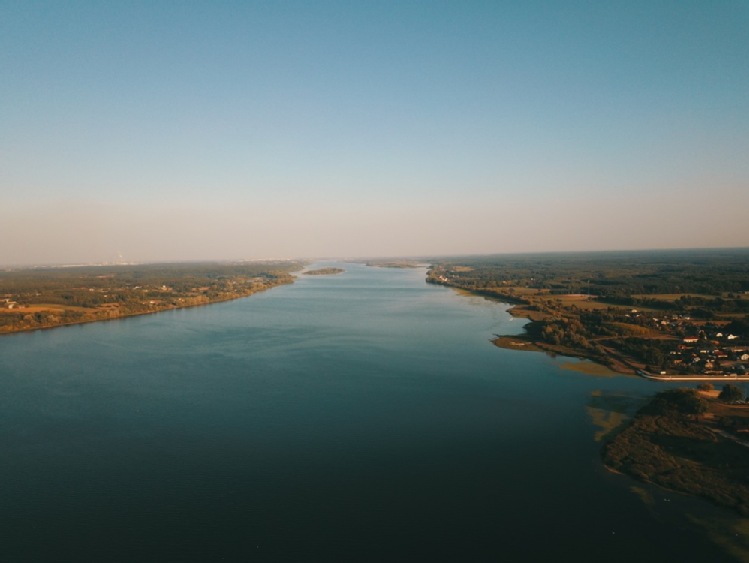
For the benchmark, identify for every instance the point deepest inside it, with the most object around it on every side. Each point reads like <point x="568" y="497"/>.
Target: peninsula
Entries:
<point x="663" y="314"/>
<point x="689" y="440"/>
<point x="37" y="298"/>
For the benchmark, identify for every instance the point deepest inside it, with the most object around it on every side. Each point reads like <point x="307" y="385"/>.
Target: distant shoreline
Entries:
<point x="137" y="313"/>
<point x="30" y="300"/>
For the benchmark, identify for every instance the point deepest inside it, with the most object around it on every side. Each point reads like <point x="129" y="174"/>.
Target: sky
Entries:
<point x="158" y="130"/>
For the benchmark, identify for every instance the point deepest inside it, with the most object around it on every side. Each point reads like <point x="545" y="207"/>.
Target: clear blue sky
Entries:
<point x="197" y="130"/>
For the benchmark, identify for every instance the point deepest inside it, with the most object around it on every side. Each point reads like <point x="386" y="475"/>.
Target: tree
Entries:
<point x="677" y="401"/>
<point x="731" y="393"/>
<point x="705" y="387"/>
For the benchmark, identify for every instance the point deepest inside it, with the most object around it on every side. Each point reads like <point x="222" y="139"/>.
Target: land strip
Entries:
<point x="42" y="298"/>
<point x="679" y="315"/>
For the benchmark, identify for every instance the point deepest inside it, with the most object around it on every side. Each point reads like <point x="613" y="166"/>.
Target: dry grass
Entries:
<point x="525" y="291"/>
<point x="522" y="312"/>
<point x="585" y="305"/>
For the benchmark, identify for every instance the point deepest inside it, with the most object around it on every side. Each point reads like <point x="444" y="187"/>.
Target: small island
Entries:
<point x="324" y="272"/>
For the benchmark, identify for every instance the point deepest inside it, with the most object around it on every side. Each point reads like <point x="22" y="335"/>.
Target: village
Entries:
<point x="665" y="320"/>
<point x="710" y="351"/>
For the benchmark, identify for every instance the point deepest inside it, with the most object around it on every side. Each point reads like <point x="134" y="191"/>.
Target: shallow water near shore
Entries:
<point x="362" y="416"/>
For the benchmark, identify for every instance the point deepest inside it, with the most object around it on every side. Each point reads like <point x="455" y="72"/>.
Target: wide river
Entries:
<point x="363" y="416"/>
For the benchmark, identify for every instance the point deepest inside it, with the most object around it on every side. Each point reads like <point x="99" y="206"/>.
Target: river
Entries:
<point x="358" y="417"/>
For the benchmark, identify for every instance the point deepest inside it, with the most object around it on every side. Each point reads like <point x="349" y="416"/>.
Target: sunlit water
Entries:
<point x="364" y="416"/>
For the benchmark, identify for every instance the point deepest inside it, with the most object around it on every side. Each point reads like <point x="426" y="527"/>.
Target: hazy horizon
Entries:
<point x="122" y="261"/>
<point x="173" y="132"/>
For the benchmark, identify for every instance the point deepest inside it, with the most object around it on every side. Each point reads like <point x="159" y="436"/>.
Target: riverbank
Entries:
<point x="117" y="315"/>
<point x="611" y="364"/>
<point x="597" y="308"/>
<point x="44" y="298"/>
<point x="698" y="454"/>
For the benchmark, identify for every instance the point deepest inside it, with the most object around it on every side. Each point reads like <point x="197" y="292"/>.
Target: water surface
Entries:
<point x="363" y="416"/>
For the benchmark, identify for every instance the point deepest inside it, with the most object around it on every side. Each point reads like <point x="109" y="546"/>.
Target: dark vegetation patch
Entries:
<point x="677" y="441"/>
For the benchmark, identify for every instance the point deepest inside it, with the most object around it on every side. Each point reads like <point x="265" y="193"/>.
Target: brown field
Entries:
<point x="590" y="303"/>
<point x="670" y="296"/>
<point x="522" y="312"/>
<point x="524" y="292"/>
<point x="585" y="304"/>
<point x="676" y="296"/>
<point x="44" y="307"/>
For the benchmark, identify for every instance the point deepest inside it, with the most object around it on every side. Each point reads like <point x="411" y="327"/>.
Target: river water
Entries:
<point x="358" y="417"/>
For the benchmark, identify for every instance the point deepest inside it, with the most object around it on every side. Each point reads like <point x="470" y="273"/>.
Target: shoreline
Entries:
<point x="140" y="313"/>
<point x="524" y="343"/>
<point x="616" y="365"/>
